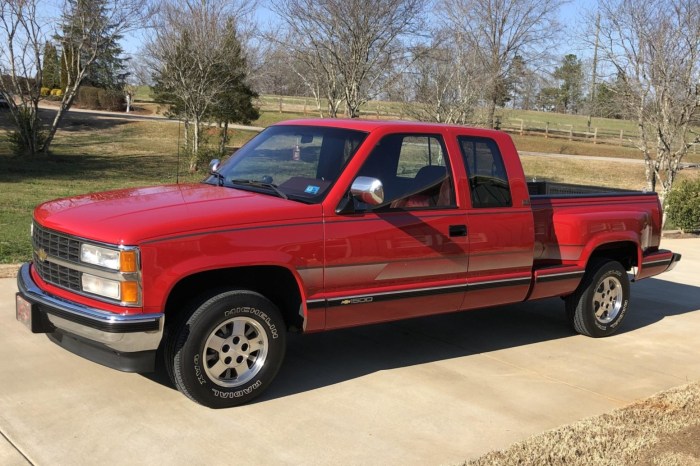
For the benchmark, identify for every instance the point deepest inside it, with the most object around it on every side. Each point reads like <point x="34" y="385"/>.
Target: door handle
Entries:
<point x="458" y="230"/>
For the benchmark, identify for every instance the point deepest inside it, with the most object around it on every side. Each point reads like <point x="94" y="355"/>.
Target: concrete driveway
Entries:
<point x="426" y="391"/>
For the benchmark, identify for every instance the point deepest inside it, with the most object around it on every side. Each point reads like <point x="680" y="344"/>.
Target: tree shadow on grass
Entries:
<point x="84" y="166"/>
<point x="78" y="157"/>
<point x="71" y="121"/>
<point x="324" y="359"/>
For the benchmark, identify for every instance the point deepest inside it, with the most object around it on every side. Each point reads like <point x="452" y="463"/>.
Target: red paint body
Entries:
<point x="365" y="267"/>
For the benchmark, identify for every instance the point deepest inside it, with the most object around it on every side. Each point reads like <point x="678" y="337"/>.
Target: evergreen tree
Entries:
<point x="88" y="21"/>
<point x="235" y="103"/>
<point x="108" y="71"/>
<point x="51" y="74"/>
<point x="201" y="70"/>
<point x="570" y="72"/>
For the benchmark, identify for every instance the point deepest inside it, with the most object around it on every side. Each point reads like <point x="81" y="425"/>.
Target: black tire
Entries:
<point x="229" y="350"/>
<point x="600" y="303"/>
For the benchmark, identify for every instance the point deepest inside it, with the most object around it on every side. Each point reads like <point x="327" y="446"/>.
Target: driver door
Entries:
<point x="408" y="256"/>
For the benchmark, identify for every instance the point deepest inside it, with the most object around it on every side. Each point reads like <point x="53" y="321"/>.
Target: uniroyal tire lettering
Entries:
<point x="237" y="393"/>
<point x="256" y="312"/>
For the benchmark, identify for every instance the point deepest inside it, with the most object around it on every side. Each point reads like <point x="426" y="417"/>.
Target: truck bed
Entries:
<point x="567" y="217"/>
<point x="539" y="189"/>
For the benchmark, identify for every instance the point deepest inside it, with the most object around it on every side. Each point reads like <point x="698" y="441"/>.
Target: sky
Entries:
<point x="572" y="15"/>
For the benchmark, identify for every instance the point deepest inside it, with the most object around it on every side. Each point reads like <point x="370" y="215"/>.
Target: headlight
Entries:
<point x="96" y="255"/>
<point x="101" y="286"/>
<point x="126" y="292"/>
<point x="123" y="261"/>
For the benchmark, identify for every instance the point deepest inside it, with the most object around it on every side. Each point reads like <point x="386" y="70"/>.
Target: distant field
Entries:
<point x="143" y="94"/>
<point x="508" y="117"/>
<point x="560" y="126"/>
<point x="535" y="124"/>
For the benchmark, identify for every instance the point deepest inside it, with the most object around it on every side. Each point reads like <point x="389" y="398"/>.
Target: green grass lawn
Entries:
<point x="87" y="156"/>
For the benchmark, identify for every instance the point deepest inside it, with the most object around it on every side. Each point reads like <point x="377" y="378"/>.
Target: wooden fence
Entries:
<point x="307" y="106"/>
<point x="593" y="135"/>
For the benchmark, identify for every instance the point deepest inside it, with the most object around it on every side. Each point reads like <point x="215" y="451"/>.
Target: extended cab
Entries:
<point x="323" y="224"/>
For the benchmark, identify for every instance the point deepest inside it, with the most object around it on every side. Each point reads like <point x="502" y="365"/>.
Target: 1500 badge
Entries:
<point x="367" y="299"/>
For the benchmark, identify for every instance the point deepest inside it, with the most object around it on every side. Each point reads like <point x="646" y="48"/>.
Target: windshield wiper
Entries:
<point x="261" y="184"/>
<point x="220" y="178"/>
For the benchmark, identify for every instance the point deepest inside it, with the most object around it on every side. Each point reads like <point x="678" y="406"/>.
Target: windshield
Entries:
<point x="295" y="162"/>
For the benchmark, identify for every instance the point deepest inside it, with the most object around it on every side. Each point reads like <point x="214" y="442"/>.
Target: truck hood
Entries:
<point x="131" y="216"/>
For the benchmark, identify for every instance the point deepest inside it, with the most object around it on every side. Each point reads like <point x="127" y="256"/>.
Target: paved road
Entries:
<point x="426" y="391"/>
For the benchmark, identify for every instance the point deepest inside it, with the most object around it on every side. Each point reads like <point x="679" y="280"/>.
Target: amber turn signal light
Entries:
<point x="129" y="292"/>
<point x="127" y="261"/>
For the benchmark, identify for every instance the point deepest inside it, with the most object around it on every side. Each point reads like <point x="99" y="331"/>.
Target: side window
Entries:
<point x="488" y="181"/>
<point x="417" y="152"/>
<point x="414" y="171"/>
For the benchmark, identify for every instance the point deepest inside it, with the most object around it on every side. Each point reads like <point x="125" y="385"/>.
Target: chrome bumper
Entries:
<point x="674" y="260"/>
<point x="116" y="332"/>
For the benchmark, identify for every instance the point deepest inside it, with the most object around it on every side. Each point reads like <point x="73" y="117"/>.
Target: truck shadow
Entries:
<point x="319" y="360"/>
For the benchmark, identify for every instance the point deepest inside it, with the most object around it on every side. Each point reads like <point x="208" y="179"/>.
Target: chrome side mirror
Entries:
<point x="214" y="165"/>
<point x="368" y="190"/>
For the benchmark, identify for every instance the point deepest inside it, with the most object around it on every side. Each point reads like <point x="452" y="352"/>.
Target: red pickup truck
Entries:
<point x="323" y="224"/>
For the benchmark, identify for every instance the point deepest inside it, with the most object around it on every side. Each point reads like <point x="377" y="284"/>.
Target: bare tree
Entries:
<point x="444" y="81"/>
<point x="527" y="84"/>
<point x="314" y="70"/>
<point x="349" y="45"/>
<point x="272" y="73"/>
<point x="23" y="37"/>
<point x="88" y="29"/>
<point x="189" y="54"/>
<point x="500" y="30"/>
<point x="654" y="45"/>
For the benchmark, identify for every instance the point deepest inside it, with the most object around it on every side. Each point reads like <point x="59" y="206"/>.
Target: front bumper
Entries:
<point x="123" y="342"/>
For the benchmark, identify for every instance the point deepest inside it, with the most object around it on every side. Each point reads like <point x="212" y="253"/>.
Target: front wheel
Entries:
<point x="229" y="350"/>
<point x="599" y="305"/>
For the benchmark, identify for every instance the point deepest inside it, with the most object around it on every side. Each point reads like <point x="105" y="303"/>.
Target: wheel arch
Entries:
<point x="276" y="283"/>
<point x="625" y="251"/>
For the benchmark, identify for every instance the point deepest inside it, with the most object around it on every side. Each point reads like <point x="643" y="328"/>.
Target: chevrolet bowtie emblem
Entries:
<point x="41" y="254"/>
<point x="345" y="301"/>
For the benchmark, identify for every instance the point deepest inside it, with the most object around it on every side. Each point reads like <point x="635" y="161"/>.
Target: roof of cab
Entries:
<point x="371" y="125"/>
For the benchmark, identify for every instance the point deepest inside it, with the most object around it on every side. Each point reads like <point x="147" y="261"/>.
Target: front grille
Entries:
<point x="56" y="245"/>
<point x="57" y="261"/>
<point x="58" y="275"/>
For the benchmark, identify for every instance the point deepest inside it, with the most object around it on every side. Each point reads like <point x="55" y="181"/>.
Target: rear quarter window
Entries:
<point x="488" y="180"/>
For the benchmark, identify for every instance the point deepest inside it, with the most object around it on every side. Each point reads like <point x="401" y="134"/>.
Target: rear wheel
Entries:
<point x="599" y="305"/>
<point x="229" y="350"/>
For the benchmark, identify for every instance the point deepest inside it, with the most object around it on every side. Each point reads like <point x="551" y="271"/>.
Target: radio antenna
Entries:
<point x="177" y="172"/>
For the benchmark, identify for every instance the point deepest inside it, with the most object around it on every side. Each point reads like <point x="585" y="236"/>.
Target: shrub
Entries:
<point x="17" y="138"/>
<point x="111" y="100"/>
<point x="683" y="205"/>
<point x="57" y="92"/>
<point x="45" y="91"/>
<point x="88" y="97"/>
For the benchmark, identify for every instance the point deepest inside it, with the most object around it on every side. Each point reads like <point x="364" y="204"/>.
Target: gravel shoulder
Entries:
<point x="8" y="270"/>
